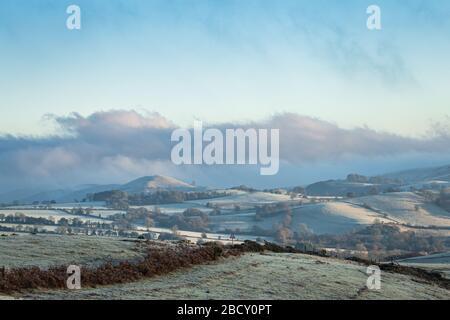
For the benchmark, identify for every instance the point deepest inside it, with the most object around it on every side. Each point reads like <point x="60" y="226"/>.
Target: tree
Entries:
<point x="374" y="190"/>
<point x="361" y="250"/>
<point x="61" y="230"/>
<point x="304" y="232"/>
<point x="284" y="235"/>
<point x="357" y="178"/>
<point x="232" y="237"/>
<point x="300" y="190"/>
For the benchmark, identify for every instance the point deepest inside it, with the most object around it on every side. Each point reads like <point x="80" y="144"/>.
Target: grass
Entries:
<point x="156" y="262"/>
<point x="407" y="207"/>
<point x="161" y="270"/>
<point x="263" y="276"/>
<point x="159" y="259"/>
<point x="45" y="251"/>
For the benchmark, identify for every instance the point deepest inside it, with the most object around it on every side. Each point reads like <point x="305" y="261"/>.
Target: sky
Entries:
<point x="226" y="61"/>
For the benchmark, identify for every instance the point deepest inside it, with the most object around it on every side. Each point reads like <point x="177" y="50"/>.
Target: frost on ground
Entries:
<point x="341" y="216"/>
<point x="56" y="215"/>
<point x="264" y="276"/>
<point x="435" y="262"/>
<point x="52" y="250"/>
<point x="408" y="208"/>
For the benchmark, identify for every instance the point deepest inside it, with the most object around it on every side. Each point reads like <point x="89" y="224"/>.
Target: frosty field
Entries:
<point x="55" y="214"/>
<point x="263" y="276"/>
<point x="407" y="207"/>
<point x="50" y="250"/>
<point x="436" y="262"/>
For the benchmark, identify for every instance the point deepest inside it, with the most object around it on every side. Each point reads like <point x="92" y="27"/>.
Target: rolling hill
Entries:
<point x="263" y="276"/>
<point x="358" y="185"/>
<point x="140" y="185"/>
<point x="422" y="174"/>
<point x="151" y="183"/>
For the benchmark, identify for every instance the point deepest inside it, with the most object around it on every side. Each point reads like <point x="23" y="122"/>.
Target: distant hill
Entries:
<point x="17" y="194"/>
<point x="140" y="185"/>
<point x="66" y="195"/>
<point x="422" y="175"/>
<point x="343" y="188"/>
<point x="151" y="183"/>
<point x="337" y="188"/>
<point x="359" y="185"/>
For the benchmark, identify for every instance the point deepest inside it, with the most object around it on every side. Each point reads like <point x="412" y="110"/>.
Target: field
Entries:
<point x="47" y="214"/>
<point x="340" y="216"/>
<point x="245" y="199"/>
<point x="407" y="208"/>
<point x="436" y="262"/>
<point x="67" y="205"/>
<point x="263" y="276"/>
<point x="177" y="208"/>
<point x="250" y="276"/>
<point x="330" y="217"/>
<point x="50" y="250"/>
<point x="325" y="216"/>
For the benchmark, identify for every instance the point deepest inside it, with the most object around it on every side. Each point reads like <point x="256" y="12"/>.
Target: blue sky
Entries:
<point x="226" y="60"/>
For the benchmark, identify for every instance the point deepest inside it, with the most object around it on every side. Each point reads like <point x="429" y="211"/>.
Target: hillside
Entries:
<point x="49" y="250"/>
<point x="341" y="216"/>
<point x="434" y="262"/>
<point x="422" y="174"/>
<point x="341" y="188"/>
<point x="140" y="185"/>
<point x="151" y="183"/>
<point x="407" y="208"/>
<point x="264" y="276"/>
<point x="360" y="185"/>
<point x="321" y="218"/>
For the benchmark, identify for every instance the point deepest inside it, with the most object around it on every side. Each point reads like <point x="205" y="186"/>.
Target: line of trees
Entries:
<point x="444" y="199"/>
<point x="122" y="200"/>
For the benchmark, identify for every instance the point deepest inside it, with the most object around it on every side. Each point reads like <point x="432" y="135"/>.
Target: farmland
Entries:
<point x="263" y="276"/>
<point x="49" y="250"/>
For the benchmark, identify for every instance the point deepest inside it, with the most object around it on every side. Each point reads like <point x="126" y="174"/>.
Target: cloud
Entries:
<point x="118" y="145"/>
<point x="306" y="139"/>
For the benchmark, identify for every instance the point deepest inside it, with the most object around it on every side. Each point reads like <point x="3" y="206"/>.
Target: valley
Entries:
<point x="407" y="225"/>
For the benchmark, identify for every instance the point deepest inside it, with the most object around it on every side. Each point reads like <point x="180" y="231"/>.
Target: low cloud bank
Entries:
<point x="117" y="145"/>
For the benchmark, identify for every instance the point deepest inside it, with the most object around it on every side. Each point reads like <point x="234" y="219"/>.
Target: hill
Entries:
<point x="151" y="183"/>
<point x="264" y="276"/>
<point x="140" y="185"/>
<point x="434" y="262"/>
<point x="422" y="174"/>
<point x="341" y="188"/>
<point x="359" y="185"/>
<point x="342" y="216"/>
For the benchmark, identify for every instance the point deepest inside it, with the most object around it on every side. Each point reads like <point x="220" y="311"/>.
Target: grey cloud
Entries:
<point x="117" y="145"/>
